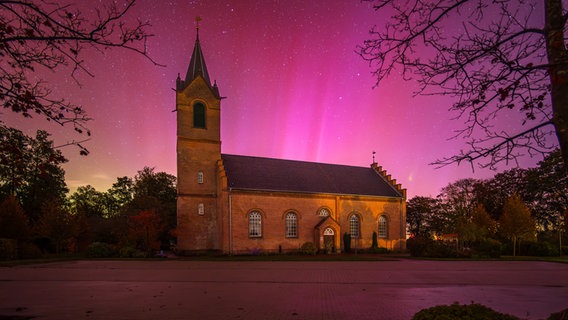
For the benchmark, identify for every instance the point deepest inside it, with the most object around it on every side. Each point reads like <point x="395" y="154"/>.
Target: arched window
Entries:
<point x="291" y="225"/>
<point x="354" y="226"/>
<point x="198" y="115"/>
<point x="323" y="212"/>
<point x="255" y="224"/>
<point x="383" y="227"/>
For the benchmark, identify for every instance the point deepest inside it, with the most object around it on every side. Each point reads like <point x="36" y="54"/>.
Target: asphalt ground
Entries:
<point x="181" y="289"/>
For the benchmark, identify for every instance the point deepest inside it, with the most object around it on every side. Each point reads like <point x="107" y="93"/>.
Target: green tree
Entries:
<point x="39" y="36"/>
<point x="30" y="169"/>
<point x="498" y="59"/>
<point x="516" y="222"/>
<point x="419" y="215"/>
<point x="156" y="191"/>
<point x="547" y="191"/>
<point x="89" y="202"/>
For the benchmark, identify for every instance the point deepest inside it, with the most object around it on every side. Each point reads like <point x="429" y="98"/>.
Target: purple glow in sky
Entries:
<point x="295" y="89"/>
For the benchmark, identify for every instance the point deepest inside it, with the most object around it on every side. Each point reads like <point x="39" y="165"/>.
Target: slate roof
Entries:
<point x="267" y="174"/>
<point x="197" y="65"/>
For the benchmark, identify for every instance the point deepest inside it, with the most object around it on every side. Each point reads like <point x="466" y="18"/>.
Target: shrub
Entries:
<point x="378" y="250"/>
<point x="8" y="249"/>
<point x="487" y="248"/>
<point x="308" y="248"/>
<point x="100" y="250"/>
<point x="130" y="252"/>
<point x="347" y="242"/>
<point x="461" y="312"/>
<point x="562" y="315"/>
<point x="28" y="250"/>
<point x="540" y="249"/>
<point x="417" y="246"/>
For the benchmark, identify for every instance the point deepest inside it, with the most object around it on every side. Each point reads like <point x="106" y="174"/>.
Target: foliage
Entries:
<point x="100" y="250"/>
<point x="13" y="220"/>
<point x="347" y="242"/>
<point x="420" y="215"/>
<point x="503" y="62"/>
<point x="308" y="248"/>
<point x="144" y="230"/>
<point x="47" y="35"/>
<point x="487" y="248"/>
<point x="56" y="224"/>
<point x="562" y="315"/>
<point x="8" y="249"/>
<point x="417" y="246"/>
<point x="533" y="248"/>
<point x="30" y="169"/>
<point x="456" y="311"/>
<point x="516" y="222"/>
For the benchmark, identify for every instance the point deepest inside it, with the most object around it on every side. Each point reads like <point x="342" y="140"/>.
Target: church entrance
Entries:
<point x="329" y="240"/>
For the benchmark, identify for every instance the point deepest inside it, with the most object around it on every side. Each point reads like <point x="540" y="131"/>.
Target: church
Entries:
<point x="237" y="204"/>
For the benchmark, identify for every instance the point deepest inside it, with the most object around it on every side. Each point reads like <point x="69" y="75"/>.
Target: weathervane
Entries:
<point x="374" y="156"/>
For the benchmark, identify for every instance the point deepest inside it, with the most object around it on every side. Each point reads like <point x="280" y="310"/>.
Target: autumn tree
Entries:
<point x="516" y="222"/>
<point x="497" y="59"/>
<point x="38" y="36"/>
<point x="144" y="230"/>
<point x="56" y="225"/>
<point x="13" y="220"/>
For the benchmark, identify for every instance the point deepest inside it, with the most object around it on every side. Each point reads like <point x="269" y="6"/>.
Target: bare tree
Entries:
<point x="36" y="34"/>
<point x="498" y="59"/>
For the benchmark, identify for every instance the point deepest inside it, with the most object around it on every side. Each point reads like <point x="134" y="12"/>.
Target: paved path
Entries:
<point x="176" y="289"/>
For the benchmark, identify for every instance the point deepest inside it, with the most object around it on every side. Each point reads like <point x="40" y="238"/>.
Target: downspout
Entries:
<point x="402" y="226"/>
<point x="230" y="224"/>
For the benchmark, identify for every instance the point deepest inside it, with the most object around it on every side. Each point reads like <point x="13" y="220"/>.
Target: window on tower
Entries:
<point x="199" y="115"/>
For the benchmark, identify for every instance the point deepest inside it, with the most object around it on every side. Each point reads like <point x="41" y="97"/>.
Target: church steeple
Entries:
<point x="197" y="63"/>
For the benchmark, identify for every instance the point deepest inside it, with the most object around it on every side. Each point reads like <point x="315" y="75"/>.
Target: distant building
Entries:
<point x="240" y="204"/>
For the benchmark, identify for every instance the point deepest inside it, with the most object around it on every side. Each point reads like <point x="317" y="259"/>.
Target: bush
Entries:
<point x="378" y="250"/>
<point x="308" y="248"/>
<point x="100" y="250"/>
<point x="29" y="250"/>
<point x="130" y="252"/>
<point x="562" y="315"/>
<point x="540" y="249"/>
<point x="347" y="242"/>
<point x="417" y="246"/>
<point x="461" y="312"/>
<point x="487" y="248"/>
<point x="8" y="249"/>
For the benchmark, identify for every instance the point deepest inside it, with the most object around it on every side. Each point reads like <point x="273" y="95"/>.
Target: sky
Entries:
<point x="295" y="88"/>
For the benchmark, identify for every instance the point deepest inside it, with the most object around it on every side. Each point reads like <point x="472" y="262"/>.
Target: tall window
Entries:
<point x="354" y="226"/>
<point x="255" y="224"/>
<point x="383" y="227"/>
<point x="291" y="225"/>
<point x="198" y="115"/>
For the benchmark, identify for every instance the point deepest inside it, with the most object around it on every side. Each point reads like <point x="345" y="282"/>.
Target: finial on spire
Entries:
<point x="374" y="157"/>
<point x="197" y="19"/>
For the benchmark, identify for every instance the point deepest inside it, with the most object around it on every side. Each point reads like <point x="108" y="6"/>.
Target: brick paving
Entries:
<point x="181" y="289"/>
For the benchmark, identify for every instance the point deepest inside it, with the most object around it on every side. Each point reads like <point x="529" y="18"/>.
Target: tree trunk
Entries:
<point x="514" y="246"/>
<point x="558" y="72"/>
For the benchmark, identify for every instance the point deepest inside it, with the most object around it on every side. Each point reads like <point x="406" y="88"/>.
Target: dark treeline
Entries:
<point x="519" y="208"/>
<point x="135" y="217"/>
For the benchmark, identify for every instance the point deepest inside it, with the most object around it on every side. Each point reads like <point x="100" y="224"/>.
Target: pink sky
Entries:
<point x="295" y="89"/>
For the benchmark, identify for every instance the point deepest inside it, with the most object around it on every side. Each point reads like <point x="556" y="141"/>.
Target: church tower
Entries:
<point x="198" y="107"/>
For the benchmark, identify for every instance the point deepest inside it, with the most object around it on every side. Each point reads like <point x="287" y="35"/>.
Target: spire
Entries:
<point x="197" y="63"/>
